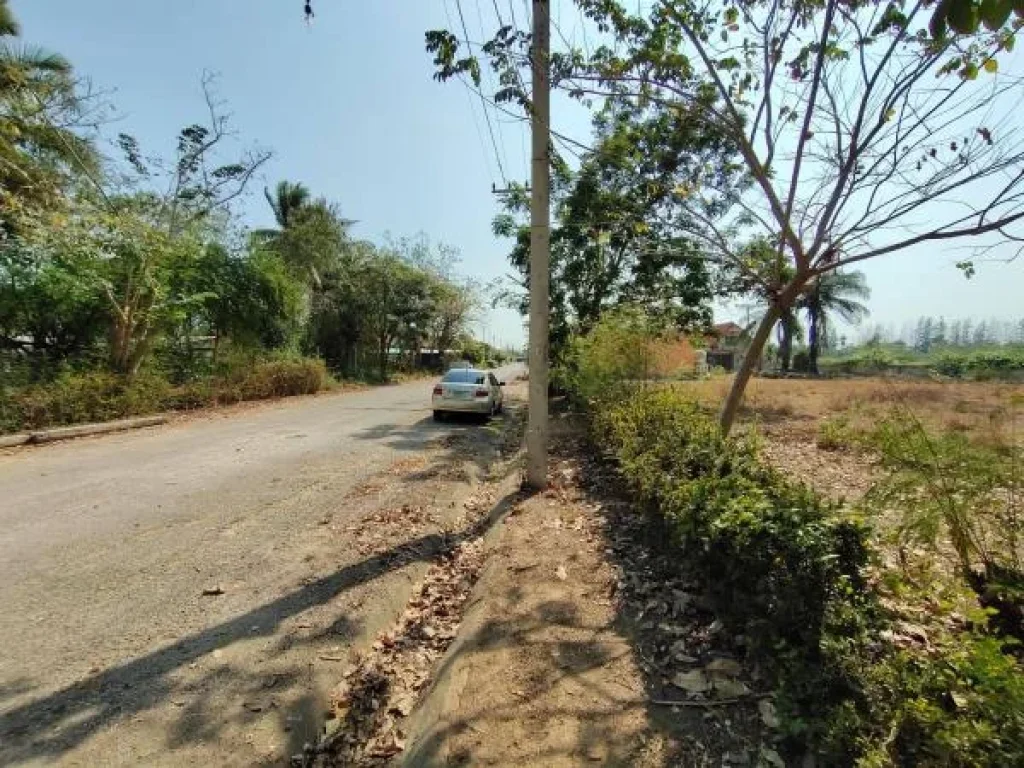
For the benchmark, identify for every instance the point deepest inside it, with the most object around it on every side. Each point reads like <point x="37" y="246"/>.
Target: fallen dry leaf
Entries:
<point x="768" y="715"/>
<point x="726" y="667"/>
<point x="726" y="688"/>
<point x="694" y="681"/>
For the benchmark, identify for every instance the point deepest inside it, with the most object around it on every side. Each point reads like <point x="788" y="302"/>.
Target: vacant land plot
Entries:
<point x="795" y="416"/>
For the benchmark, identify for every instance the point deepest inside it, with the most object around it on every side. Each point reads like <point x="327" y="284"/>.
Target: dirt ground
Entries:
<point x="582" y="645"/>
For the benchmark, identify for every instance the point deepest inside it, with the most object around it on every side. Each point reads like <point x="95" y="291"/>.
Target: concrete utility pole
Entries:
<point x="540" y="244"/>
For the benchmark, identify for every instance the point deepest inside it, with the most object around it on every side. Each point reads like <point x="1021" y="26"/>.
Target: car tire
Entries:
<point x="438" y="415"/>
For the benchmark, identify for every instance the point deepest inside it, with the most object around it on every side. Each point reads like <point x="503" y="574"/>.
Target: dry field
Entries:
<point x="790" y="413"/>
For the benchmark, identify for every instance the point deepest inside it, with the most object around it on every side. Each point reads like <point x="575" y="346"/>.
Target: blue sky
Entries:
<point x="348" y="106"/>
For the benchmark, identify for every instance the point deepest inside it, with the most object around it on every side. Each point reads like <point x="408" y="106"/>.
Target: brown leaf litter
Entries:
<point x="580" y="633"/>
<point x="381" y="687"/>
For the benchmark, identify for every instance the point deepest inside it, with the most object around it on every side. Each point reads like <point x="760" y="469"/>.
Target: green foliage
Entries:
<point x="775" y="555"/>
<point x="95" y="396"/>
<point x="81" y="398"/>
<point x="834" y="433"/>
<point x="40" y="152"/>
<point x="982" y="364"/>
<point x="944" y="486"/>
<point x="787" y="569"/>
<point x="834" y="293"/>
<point x="613" y="357"/>
<point x="961" y="704"/>
<point x="614" y="243"/>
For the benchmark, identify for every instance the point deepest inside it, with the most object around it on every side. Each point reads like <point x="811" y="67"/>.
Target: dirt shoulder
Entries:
<point x="582" y="645"/>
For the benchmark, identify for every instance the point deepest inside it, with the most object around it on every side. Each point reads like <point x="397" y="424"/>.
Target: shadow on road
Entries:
<point x="51" y="726"/>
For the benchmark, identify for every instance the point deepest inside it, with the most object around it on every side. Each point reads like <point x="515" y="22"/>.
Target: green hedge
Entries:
<point x="985" y="364"/>
<point x="785" y="568"/>
<point x="78" y="398"/>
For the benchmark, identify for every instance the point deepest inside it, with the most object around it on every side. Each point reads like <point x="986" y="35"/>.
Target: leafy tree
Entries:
<point x="968" y="332"/>
<point x="611" y="245"/>
<point x="981" y="334"/>
<point x="39" y="148"/>
<point x="250" y="298"/>
<point x="398" y="302"/>
<point x="47" y="312"/>
<point x="956" y="334"/>
<point x="923" y="334"/>
<point x="939" y="333"/>
<point x="855" y="124"/>
<point x="455" y="300"/>
<point x="833" y="293"/>
<point x="309" y="233"/>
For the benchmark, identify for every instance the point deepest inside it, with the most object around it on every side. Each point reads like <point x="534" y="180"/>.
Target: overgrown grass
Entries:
<point x="76" y="398"/>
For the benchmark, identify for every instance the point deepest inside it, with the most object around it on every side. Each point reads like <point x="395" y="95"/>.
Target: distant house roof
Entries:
<point x="727" y="330"/>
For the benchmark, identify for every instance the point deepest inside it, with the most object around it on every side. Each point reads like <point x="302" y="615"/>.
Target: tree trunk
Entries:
<point x="785" y="344"/>
<point x="739" y="384"/>
<point x="817" y="334"/>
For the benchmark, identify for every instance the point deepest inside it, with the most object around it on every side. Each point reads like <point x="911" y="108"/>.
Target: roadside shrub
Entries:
<point x="283" y="378"/>
<point x="83" y="397"/>
<point x="774" y="554"/>
<point x="786" y="568"/>
<point x="613" y="358"/>
<point x="78" y="398"/>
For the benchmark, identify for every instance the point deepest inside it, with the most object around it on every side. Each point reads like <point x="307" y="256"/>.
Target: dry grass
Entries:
<point x="790" y="412"/>
<point x="985" y="410"/>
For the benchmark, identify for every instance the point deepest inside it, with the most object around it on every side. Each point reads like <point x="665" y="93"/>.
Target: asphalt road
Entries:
<point x="112" y="654"/>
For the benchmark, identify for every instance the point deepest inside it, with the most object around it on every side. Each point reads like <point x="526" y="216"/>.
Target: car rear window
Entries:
<point x="463" y="377"/>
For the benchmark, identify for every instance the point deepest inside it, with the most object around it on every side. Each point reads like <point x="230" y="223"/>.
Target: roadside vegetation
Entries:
<point x="764" y="151"/>
<point x="129" y="284"/>
<point x="889" y="626"/>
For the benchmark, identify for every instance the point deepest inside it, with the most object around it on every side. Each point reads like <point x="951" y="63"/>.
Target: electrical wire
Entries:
<point x="472" y="112"/>
<point x="492" y="85"/>
<point x="487" y="116"/>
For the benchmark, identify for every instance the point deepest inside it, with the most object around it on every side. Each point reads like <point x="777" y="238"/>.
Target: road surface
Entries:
<point x="112" y="653"/>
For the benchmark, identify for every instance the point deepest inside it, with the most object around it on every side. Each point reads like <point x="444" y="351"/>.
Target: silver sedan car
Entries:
<point x="467" y="390"/>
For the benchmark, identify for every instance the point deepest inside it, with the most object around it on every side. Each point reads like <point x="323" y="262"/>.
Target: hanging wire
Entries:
<point x="472" y="112"/>
<point x="483" y="103"/>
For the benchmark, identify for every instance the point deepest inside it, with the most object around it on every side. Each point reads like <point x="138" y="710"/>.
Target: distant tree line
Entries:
<point x="928" y="333"/>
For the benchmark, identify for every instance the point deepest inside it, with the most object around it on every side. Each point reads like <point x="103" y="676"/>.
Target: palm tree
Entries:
<point x="787" y="330"/>
<point x="309" y="232"/>
<point x="36" y="150"/>
<point x="286" y="202"/>
<point x="832" y="294"/>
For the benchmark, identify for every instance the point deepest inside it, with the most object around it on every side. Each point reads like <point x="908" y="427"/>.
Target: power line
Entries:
<point x="490" y="75"/>
<point x="472" y="112"/>
<point x="512" y="12"/>
<point x="487" y="116"/>
<point x="519" y="79"/>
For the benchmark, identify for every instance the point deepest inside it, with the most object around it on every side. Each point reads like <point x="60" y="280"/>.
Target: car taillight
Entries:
<point x="438" y="390"/>
<point x="482" y="393"/>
